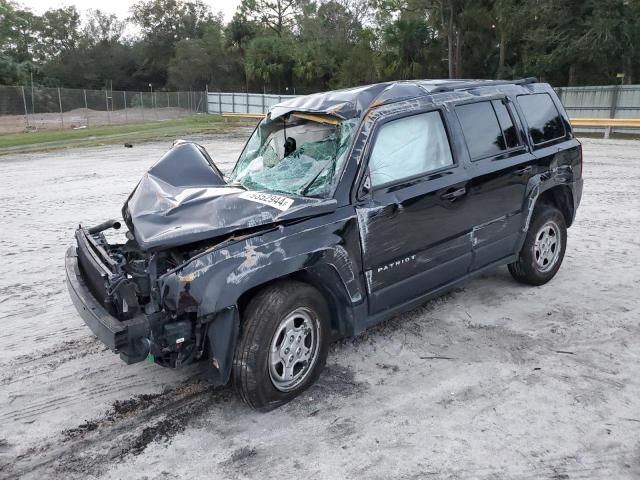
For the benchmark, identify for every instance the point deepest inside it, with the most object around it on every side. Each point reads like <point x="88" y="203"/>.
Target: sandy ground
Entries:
<point x="528" y="382"/>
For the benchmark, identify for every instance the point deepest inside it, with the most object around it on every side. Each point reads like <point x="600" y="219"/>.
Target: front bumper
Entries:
<point x="126" y="337"/>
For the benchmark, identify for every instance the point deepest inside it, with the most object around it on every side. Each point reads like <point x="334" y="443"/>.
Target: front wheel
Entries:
<point x="543" y="249"/>
<point x="284" y="344"/>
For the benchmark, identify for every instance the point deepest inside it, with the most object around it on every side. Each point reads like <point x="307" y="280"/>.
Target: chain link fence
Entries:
<point x="41" y="108"/>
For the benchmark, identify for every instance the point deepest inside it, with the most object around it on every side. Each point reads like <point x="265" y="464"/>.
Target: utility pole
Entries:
<point x="33" y="109"/>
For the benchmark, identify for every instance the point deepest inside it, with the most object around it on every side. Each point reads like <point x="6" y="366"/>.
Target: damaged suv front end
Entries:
<point x="195" y="242"/>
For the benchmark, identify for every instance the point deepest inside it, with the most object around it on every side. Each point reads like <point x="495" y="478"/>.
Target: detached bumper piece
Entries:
<point x="86" y="274"/>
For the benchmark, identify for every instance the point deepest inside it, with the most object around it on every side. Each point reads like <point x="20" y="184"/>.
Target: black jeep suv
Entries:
<point x="343" y="209"/>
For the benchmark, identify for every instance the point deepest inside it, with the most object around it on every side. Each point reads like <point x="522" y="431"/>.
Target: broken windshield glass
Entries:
<point x="300" y="153"/>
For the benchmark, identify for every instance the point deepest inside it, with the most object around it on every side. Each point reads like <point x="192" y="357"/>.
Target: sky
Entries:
<point x="119" y="7"/>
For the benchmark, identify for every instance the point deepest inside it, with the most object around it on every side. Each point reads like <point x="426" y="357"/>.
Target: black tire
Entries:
<point x="262" y="319"/>
<point x="527" y="269"/>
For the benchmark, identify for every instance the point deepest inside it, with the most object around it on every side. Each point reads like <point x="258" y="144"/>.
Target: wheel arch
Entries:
<point x="326" y="279"/>
<point x="561" y="197"/>
<point x="224" y="330"/>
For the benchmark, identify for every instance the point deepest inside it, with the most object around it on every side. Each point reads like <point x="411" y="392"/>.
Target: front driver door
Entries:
<point x="413" y="220"/>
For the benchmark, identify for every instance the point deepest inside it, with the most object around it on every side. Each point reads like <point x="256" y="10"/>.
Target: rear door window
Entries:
<point x="542" y="116"/>
<point x="509" y="132"/>
<point x="487" y="127"/>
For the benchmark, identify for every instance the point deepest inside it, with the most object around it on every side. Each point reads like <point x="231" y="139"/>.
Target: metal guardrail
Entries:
<point x="607" y="123"/>
<point x="257" y="116"/>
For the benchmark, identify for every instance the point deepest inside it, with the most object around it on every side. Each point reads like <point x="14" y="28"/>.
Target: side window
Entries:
<point x="506" y="124"/>
<point x="543" y="118"/>
<point x="408" y="147"/>
<point x="487" y="127"/>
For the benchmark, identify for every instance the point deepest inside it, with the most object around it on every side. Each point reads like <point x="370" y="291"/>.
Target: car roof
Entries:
<point x="353" y="102"/>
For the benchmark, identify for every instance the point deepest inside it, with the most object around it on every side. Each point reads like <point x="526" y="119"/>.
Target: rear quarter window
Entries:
<point x="543" y="118"/>
<point x="487" y="127"/>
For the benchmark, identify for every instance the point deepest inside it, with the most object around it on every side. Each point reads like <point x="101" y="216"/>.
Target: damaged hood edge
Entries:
<point x="183" y="198"/>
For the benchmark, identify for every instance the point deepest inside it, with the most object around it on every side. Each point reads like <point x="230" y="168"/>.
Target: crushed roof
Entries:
<point x="353" y="102"/>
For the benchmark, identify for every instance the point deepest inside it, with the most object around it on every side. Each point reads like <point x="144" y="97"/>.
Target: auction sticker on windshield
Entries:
<point x="275" y="201"/>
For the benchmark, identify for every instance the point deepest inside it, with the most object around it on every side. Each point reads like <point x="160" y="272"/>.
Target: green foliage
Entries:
<point x="282" y="46"/>
<point x="270" y="60"/>
<point x="276" y="15"/>
<point x="17" y="38"/>
<point x="58" y="32"/>
<point x="201" y="61"/>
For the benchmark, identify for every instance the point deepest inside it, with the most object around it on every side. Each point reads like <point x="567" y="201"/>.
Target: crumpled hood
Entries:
<point x="183" y="198"/>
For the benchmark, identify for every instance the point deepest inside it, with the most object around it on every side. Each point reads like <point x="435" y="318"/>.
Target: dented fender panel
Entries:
<point x="555" y="167"/>
<point x="216" y="279"/>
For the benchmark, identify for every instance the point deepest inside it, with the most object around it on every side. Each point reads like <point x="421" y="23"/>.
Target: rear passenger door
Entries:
<point x="500" y="165"/>
<point x="412" y="220"/>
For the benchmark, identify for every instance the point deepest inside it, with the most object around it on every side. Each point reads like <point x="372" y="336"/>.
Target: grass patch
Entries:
<point x="51" y="139"/>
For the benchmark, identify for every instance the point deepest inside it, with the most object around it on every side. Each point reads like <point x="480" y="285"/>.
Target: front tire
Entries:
<point x="543" y="249"/>
<point x="283" y="345"/>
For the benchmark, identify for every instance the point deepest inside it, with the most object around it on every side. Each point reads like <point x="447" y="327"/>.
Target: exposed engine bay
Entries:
<point x="128" y="289"/>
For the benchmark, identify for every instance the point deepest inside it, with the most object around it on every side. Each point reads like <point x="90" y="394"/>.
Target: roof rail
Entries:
<point x="481" y="83"/>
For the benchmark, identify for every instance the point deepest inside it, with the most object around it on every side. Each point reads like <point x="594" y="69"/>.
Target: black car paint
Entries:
<point x="363" y="249"/>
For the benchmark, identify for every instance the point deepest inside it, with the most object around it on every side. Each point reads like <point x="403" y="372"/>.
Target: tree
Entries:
<point x="321" y="44"/>
<point x="58" y="31"/>
<point x="202" y="62"/>
<point x="103" y="27"/>
<point x="17" y="39"/>
<point x="270" y="60"/>
<point x="172" y="20"/>
<point x="163" y="24"/>
<point x="325" y="35"/>
<point x="238" y="35"/>
<point x="406" y="45"/>
<point x="276" y="15"/>
<point x="361" y="65"/>
<point x="509" y="21"/>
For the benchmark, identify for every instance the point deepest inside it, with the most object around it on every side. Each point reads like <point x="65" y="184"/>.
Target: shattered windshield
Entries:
<point x="300" y="153"/>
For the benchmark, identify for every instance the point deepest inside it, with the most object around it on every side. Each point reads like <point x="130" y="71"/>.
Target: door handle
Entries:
<point x="454" y="194"/>
<point x="522" y="171"/>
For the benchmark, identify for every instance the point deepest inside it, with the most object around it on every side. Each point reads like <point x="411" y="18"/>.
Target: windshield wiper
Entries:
<point x="304" y="188"/>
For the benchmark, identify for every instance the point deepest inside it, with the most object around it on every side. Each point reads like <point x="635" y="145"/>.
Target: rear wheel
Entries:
<point x="543" y="249"/>
<point x="284" y="344"/>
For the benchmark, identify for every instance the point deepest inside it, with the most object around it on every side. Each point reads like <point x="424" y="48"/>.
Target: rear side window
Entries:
<point x="487" y="127"/>
<point x="506" y="124"/>
<point x="543" y="118"/>
<point x="408" y="147"/>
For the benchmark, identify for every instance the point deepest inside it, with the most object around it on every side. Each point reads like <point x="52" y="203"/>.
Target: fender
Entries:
<point x="561" y="171"/>
<point x="317" y="267"/>
<point x="222" y="335"/>
<point x="215" y="280"/>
